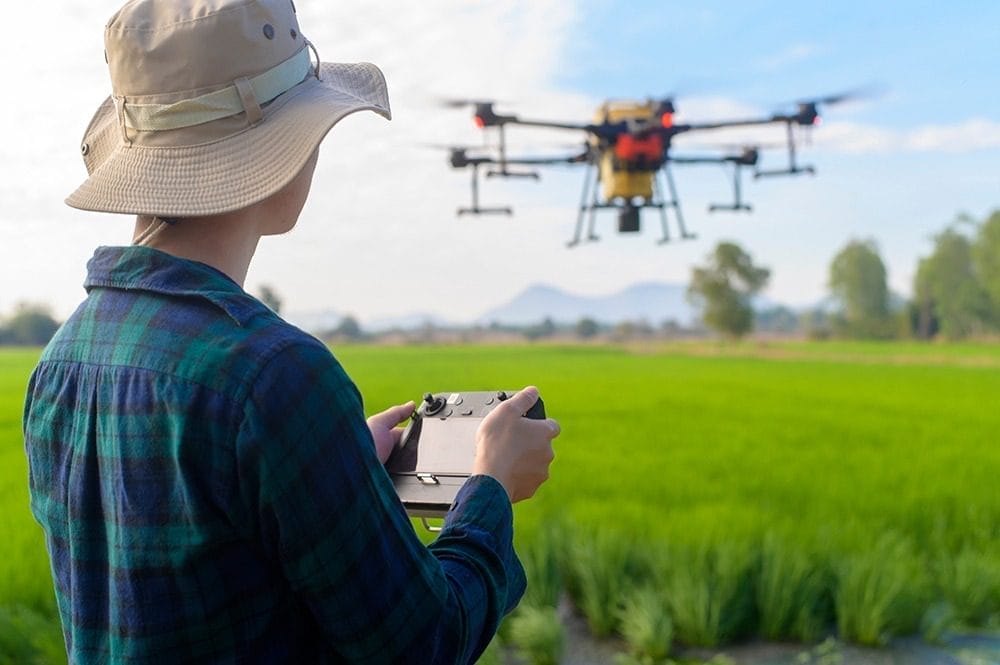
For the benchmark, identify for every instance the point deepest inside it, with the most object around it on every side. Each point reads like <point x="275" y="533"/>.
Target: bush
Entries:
<point x="646" y="626"/>
<point x="541" y="566"/>
<point x="28" y="638"/>
<point x="709" y="591"/>
<point x="970" y="582"/>
<point x="793" y="592"/>
<point x="878" y="592"/>
<point x="602" y="573"/>
<point x="538" y="634"/>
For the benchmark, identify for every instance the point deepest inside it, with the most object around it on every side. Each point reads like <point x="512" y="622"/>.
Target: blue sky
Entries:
<point x="940" y="61"/>
<point x="380" y="224"/>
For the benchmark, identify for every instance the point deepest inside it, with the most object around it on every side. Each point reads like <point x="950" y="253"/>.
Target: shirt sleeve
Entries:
<point x="327" y="513"/>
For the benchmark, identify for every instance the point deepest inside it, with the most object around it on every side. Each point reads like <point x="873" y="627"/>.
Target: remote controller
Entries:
<point x="436" y="451"/>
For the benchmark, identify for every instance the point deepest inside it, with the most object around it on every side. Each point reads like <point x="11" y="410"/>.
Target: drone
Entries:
<point x="627" y="156"/>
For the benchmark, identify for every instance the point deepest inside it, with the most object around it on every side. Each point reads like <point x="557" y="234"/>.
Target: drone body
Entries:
<point x="627" y="156"/>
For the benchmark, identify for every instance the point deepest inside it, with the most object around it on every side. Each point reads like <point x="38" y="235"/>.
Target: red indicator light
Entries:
<point x="667" y="120"/>
<point x="480" y="123"/>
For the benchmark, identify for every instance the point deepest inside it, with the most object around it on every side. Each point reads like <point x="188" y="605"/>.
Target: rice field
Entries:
<point x="701" y="494"/>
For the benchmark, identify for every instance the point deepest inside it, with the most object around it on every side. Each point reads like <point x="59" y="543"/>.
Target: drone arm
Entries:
<point x="543" y="161"/>
<point x="514" y="120"/>
<point x="746" y="122"/>
<point x="700" y="160"/>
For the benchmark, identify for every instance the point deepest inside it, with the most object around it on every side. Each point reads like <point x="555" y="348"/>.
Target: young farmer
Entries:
<point x="209" y="488"/>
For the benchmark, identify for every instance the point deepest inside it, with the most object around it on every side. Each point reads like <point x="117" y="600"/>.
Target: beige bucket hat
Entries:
<point x="216" y="105"/>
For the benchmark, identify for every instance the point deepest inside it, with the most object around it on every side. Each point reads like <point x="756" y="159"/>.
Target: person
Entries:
<point x="209" y="487"/>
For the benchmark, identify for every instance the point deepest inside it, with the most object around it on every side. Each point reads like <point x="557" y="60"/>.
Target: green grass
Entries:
<point x="707" y="448"/>
<point x="29" y="624"/>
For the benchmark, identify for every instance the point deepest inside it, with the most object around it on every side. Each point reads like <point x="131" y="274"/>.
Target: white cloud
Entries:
<point x="788" y="56"/>
<point x="972" y="135"/>
<point x="380" y="223"/>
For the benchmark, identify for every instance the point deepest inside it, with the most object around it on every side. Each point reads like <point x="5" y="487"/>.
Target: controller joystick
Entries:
<point x="432" y="404"/>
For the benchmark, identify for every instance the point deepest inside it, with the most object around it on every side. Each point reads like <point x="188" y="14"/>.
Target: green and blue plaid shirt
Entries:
<point x="210" y="492"/>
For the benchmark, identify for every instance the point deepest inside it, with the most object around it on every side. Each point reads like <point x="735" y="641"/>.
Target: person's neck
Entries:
<point x="226" y="242"/>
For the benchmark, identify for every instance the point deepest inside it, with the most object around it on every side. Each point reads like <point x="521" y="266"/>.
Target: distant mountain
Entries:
<point x="652" y="301"/>
<point x="321" y="322"/>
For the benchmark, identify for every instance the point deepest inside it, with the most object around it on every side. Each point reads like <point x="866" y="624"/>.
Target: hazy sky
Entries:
<point x="379" y="237"/>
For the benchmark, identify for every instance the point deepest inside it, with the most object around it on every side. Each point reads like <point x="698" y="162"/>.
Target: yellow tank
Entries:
<point x="618" y="178"/>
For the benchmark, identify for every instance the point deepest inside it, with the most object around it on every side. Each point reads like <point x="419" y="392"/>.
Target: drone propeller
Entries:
<point x="458" y="103"/>
<point x="862" y="92"/>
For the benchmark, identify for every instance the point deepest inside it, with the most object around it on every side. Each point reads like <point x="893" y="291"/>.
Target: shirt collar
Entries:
<point x="147" y="269"/>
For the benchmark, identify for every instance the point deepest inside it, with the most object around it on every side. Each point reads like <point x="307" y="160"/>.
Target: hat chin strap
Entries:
<point x="246" y="95"/>
<point x="154" y="229"/>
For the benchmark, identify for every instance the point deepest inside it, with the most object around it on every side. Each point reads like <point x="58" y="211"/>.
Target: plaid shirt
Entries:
<point x="210" y="491"/>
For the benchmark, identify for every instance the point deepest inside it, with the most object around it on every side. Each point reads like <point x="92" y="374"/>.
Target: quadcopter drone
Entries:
<point x="627" y="159"/>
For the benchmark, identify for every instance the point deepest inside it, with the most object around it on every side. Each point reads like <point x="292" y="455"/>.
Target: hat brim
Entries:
<point x="230" y="173"/>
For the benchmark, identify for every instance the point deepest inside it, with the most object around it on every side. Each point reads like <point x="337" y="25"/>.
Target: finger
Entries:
<point x="522" y="400"/>
<point x="393" y="415"/>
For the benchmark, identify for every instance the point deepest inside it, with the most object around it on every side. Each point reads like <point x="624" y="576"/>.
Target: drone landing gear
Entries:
<point x="793" y="166"/>
<point x="628" y="215"/>
<point x="476" y="209"/>
<point x="674" y="203"/>
<point x="589" y="181"/>
<point x="737" y="205"/>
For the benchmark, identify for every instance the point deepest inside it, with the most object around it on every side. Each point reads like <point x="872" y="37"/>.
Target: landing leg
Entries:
<point x="658" y="198"/>
<point x="675" y="202"/>
<point x="583" y="208"/>
<point x="593" y="210"/>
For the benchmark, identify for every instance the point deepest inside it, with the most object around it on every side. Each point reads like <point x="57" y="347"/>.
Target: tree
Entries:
<point x="546" y="328"/>
<point x="858" y="283"/>
<point x="587" y="328"/>
<point x="348" y="328"/>
<point x="270" y="297"/>
<point x="30" y="325"/>
<point x="986" y="260"/>
<point x="947" y="291"/>
<point x="724" y="288"/>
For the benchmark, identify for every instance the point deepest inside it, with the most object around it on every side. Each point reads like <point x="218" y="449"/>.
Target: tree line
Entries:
<point x="956" y="294"/>
<point x="956" y="290"/>
<point x="29" y="325"/>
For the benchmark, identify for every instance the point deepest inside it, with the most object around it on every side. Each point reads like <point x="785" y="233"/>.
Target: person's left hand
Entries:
<point x="384" y="430"/>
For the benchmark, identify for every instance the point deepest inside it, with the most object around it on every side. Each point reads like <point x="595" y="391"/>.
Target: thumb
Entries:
<point x="523" y="400"/>
<point x="393" y="415"/>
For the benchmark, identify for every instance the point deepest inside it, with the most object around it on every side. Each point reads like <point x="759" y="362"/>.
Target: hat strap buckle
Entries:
<point x="249" y="100"/>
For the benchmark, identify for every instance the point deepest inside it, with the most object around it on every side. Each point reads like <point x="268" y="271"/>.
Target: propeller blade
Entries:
<point x="861" y="92"/>
<point x="459" y="103"/>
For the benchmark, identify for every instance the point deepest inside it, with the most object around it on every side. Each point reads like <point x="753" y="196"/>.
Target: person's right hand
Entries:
<point x="515" y="450"/>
